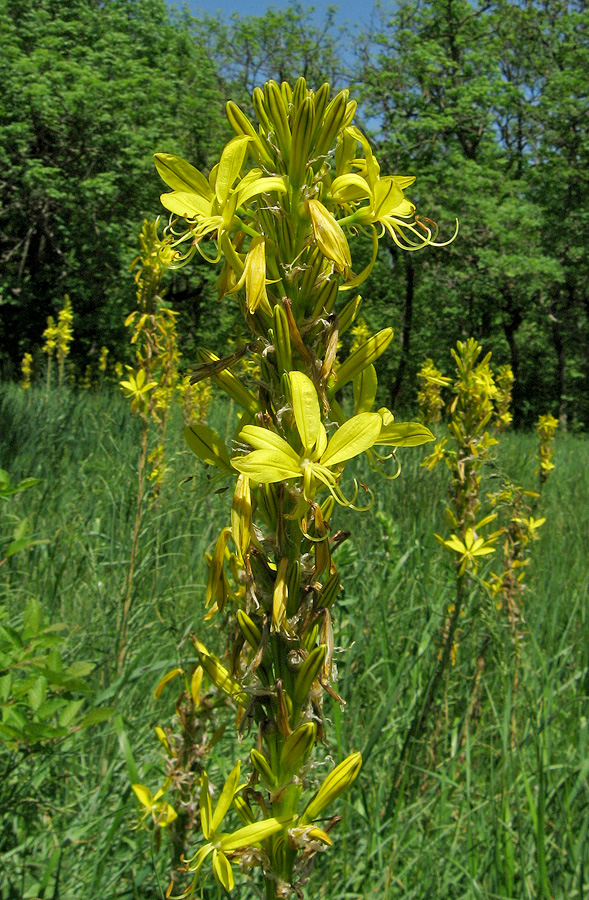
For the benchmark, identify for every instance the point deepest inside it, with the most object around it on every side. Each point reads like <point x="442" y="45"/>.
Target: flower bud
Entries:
<point x="335" y="783"/>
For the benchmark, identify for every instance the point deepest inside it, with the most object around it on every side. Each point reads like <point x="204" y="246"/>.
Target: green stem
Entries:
<point x="420" y="718"/>
<point x="128" y="588"/>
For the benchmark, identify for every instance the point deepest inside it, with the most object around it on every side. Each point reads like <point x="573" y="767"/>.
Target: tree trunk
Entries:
<point x="406" y="329"/>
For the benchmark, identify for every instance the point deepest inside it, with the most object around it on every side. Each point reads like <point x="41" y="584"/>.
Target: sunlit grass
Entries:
<point x="494" y="802"/>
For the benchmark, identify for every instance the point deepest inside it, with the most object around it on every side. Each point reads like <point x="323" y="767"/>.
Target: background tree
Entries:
<point x="457" y="94"/>
<point x="89" y="93"/>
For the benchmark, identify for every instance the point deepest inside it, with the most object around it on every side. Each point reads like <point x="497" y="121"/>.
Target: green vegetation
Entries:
<point x="454" y="664"/>
<point x="495" y="802"/>
<point x="485" y="102"/>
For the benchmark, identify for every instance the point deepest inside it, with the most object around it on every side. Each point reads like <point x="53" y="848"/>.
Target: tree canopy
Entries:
<point x="485" y="102"/>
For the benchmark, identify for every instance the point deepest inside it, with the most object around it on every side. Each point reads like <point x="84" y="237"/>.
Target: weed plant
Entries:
<point x="480" y="814"/>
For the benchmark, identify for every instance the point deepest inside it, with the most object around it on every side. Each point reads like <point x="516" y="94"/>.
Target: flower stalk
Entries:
<point x="278" y="213"/>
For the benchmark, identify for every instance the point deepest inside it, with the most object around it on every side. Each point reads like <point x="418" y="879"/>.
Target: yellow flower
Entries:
<point x="470" y="548"/>
<point x="219" y="843"/>
<point x="273" y="459"/>
<point x="211" y="206"/>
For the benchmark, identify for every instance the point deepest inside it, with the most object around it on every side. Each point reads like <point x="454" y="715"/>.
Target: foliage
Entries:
<point x="486" y="100"/>
<point x="473" y="96"/>
<point x="466" y="821"/>
<point x="89" y="90"/>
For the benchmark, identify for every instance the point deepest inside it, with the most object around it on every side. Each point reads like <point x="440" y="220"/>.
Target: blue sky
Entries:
<point x="349" y="10"/>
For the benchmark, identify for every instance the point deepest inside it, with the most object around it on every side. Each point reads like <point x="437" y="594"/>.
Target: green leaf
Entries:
<point x="5" y="686"/>
<point x="22" y="544"/>
<point x="11" y="636"/>
<point x="95" y="716"/>
<point x="126" y="750"/>
<point x="69" y="712"/>
<point x="48" y="708"/>
<point x="79" y="669"/>
<point x="32" y="619"/>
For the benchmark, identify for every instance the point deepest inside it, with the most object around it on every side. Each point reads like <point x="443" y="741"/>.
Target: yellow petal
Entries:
<point x="355" y="436"/>
<point x="267" y="466"/>
<point x="264" y="439"/>
<point x="143" y="794"/>
<point x="222" y="870"/>
<point x="232" y="159"/>
<point x="305" y="404"/>
<point x="187" y="205"/>
<point x="330" y="236"/>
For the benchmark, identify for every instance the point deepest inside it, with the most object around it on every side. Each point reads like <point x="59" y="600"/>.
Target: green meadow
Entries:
<point x="492" y="800"/>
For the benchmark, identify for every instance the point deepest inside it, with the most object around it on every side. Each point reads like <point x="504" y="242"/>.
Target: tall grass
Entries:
<point x="494" y="801"/>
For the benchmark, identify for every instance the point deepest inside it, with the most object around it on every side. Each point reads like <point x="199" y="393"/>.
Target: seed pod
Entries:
<point x="242" y="125"/>
<point x="322" y="557"/>
<point x="363" y="357"/>
<point x="249" y="629"/>
<point x="282" y="711"/>
<point x="293" y="581"/>
<point x="286" y="91"/>
<point x="300" y="93"/>
<point x="335" y="783"/>
<point x="350" y="113"/>
<point x="314" y="263"/>
<point x="297" y="749"/>
<point x="208" y="446"/>
<point x="267" y="504"/>
<point x="325" y="297"/>
<point x="241" y="516"/>
<point x="219" y="675"/>
<point x="243" y="810"/>
<point x="196" y="685"/>
<point x="320" y="100"/>
<point x="348" y="314"/>
<point x="330" y="353"/>
<point x="282" y="340"/>
<point x="279" y="598"/>
<point x="216" y="567"/>
<point x="365" y="385"/>
<point x="329" y="592"/>
<point x="262" y="768"/>
<point x="310" y="638"/>
<point x="307" y="675"/>
<point x="231" y="385"/>
<point x="260" y="110"/>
